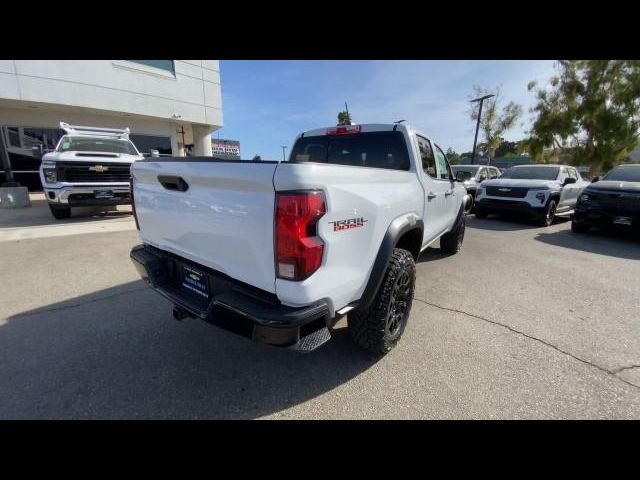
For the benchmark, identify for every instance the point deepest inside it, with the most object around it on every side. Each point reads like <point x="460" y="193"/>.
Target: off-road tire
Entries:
<point x="451" y="242"/>
<point x="379" y="328"/>
<point x="480" y="213"/>
<point x="60" y="212"/>
<point x="546" y="219"/>
<point x="579" y="228"/>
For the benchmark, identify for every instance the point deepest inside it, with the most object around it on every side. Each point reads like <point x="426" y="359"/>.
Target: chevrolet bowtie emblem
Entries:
<point x="99" y="168"/>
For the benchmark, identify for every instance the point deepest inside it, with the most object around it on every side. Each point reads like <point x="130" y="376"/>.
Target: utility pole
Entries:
<point x="283" y="148"/>
<point x="475" y="140"/>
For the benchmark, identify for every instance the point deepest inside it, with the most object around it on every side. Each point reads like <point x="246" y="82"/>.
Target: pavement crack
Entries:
<point x="622" y="369"/>
<point x="613" y="373"/>
<point x="78" y="304"/>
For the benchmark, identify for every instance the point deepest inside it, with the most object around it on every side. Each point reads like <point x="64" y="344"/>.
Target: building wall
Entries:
<point x="192" y="93"/>
<point x="184" y="104"/>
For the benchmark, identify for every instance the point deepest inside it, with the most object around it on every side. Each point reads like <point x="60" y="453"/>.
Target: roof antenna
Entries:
<point x="400" y="121"/>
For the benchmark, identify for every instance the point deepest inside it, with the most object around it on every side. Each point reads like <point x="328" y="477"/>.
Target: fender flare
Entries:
<point x="396" y="230"/>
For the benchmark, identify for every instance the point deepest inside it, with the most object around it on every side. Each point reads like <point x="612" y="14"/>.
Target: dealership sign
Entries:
<point x="229" y="149"/>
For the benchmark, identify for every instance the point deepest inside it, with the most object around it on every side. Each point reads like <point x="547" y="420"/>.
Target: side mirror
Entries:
<point x="37" y="152"/>
<point x="568" y="181"/>
<point x="155" y="153"/>
<point x="482" y="178"/>
<point x="595" y="179"/>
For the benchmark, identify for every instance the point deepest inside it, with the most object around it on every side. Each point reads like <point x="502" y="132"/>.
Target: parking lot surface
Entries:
<point x="525" y="322"/>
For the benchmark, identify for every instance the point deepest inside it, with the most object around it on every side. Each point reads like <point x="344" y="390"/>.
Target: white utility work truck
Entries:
<point x="89" y="167"/>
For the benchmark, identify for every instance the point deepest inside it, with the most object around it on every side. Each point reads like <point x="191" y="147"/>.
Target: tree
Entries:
<point x="452" y="156"/>
<point x="257" y="158"/>
<point x="344" y="118"/>
<point x="589" y="112"/>
<point x="505" y="148"/>
<point x="493" y="124"/>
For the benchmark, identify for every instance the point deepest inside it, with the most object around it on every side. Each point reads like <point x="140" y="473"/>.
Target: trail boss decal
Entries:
<point x="348" y="224"/>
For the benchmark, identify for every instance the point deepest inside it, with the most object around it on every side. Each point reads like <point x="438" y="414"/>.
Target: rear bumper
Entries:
<point x="509" y="206"/>
<point x="256" y="314"/>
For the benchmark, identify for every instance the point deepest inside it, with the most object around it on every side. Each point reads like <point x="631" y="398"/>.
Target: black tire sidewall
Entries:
<point x="369" y="328"/>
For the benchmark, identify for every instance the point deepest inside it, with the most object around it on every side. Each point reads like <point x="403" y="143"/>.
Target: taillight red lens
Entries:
<point x="344" y="130"/>
<point x="298" y="247"/>
<point x="133" y="203"/>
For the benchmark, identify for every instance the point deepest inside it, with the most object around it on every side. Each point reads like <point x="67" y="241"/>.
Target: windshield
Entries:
<point x="624" y="173"/>
<point x="372" y="149"/>
<point x="95" y="144"/>
<point x="470" y="170"/>
<point x="531" y="173"/>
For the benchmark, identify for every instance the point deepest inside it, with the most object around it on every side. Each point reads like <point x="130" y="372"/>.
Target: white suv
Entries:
<point x="537" y="191"/>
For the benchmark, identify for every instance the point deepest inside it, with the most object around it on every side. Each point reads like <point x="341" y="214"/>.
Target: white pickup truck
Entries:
<point x="291" y="247"/>
<point x="89" y="167"/>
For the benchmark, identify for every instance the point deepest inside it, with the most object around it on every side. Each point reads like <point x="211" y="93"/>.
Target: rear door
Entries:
<point x="436" y="191"/>
<point x="445" y="175"/>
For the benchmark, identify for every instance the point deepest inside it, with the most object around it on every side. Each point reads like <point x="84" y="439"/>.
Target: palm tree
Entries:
<point x="344" y="118"/>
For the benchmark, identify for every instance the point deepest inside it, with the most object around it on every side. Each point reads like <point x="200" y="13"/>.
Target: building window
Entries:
<point x="25" y="146"/>
<point x="166" y="65"/>
<point x="146" y="143"/>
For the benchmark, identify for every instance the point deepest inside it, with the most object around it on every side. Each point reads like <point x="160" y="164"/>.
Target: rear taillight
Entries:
<point x="133" y="203"/>
<point x="298" y="247"/>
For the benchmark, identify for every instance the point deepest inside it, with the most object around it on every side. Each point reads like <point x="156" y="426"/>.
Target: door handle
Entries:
<point x="431" y="196"/>
<point x="173" y="183"/>
<point x="446" y="194"/>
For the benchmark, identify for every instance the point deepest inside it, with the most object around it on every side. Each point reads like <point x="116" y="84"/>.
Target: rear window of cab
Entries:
<point x="369" y="149"/>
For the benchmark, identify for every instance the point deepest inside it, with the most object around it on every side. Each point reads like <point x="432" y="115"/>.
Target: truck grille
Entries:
<point x="512" y="192"/>
<point x="93" y="172"/>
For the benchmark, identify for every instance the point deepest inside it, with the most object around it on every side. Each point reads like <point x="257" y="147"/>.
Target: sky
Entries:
<point x="265" y="104"/>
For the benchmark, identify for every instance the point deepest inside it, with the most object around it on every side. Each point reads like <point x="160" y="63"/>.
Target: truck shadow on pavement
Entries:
<point x="38" y="215"/>
<point x="506" y="223"/>
<point x="119" y="354"/>
<point x="612" y="243"/>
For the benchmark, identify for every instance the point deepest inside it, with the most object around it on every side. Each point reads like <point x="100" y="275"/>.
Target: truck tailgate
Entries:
<point x="223" y="220"/>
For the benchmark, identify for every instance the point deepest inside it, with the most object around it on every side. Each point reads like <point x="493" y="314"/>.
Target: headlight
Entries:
<point x="50" y="175"/>
<point x="541" y="196"/>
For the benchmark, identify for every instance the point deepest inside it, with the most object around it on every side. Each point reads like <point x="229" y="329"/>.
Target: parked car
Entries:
<point x="539" y="192"/>
<point x="474" y="175"/>
<point x="89" y="167"/>
<point x="293" y="246"/>
<point x="610" y="202"/>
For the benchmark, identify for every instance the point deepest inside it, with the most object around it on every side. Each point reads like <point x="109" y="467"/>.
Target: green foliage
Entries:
<point x="589" y="113"/>
<point x="344" y="118"/>
<point x="257" y="158"/>
<point x="493" y="123"/>
<point x="507" y="149"/>
<point x="452" y="156"/>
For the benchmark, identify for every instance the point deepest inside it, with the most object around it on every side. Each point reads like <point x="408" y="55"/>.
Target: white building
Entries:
<point x="167" y="104"/>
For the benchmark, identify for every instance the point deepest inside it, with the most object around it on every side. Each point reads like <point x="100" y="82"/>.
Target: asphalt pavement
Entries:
<point x="525" y="322"/>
